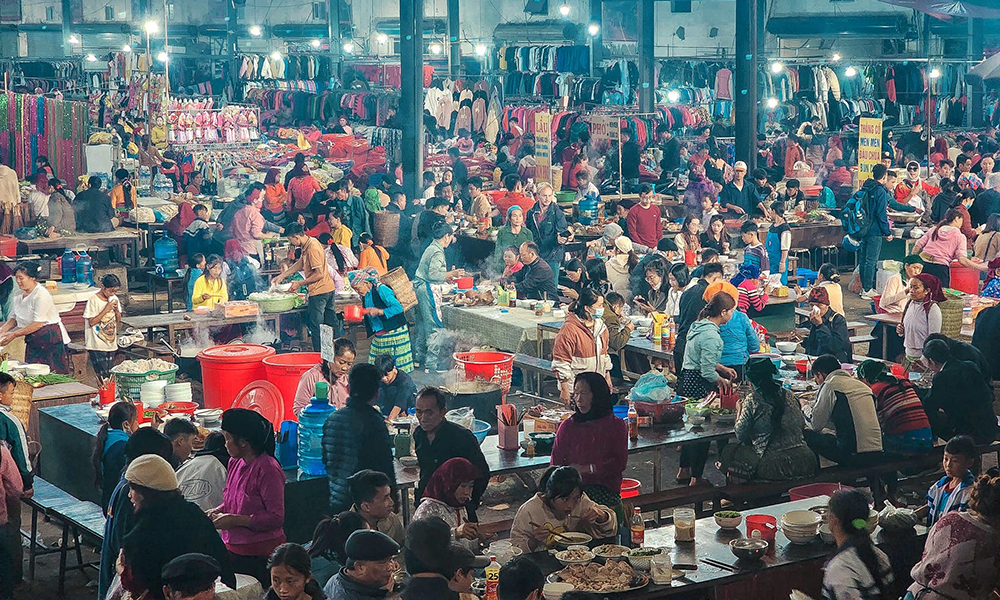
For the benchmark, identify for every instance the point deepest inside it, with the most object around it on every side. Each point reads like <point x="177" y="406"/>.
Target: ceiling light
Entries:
<point x="935" y="73"/>
<point x="276" y="55"/>
<point x="151" y="27"/>
<point x="776" y="67"/>
<point x="315" y="43"/>
<point x="382" y="38"/>
<point x="564" y="10"/>
<point x="348" y="47"/>
<point x="835" y="57"/>
<point x="772" y="103"/>
<point x="91" y="57"/>
<point x="126" y="48"/>
<point x="435" y="48"/>
<point x="255" y="30"/>
<point x="73" y="39"/>
<point x="851" y="72"/>
<point x="673" y="96"/>
<point x="162" y="57"/>
<point x="594" y="29"/>
<point x="480" y="50"/>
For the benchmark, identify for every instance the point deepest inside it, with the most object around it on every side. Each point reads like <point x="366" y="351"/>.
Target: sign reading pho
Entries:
<point x="869" y="147"/>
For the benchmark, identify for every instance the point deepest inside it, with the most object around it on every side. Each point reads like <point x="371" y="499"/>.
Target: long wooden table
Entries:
<point x="121" y="236"/>
<point x="894" y="319"/>
<point x="790" y="566"/>
<point x="183" y="321"/>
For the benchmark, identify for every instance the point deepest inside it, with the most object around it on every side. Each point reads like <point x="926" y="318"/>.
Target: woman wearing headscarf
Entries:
<point x="901" y="416"/>
<point x="275" y="198"/>
<point x="992" y="287"/>
<point x="827" y="328"/>
<point x="447" y="492"/>
<point x="252" y="514"/>
<point x="514" y="233"/>
<point x="203" y="478"/>
<point x="894" y="298"/>
<point x="921" y="315"/>
<point x="594" y="442"/>
<point x="769" y="425"/>
<point x="166" y="526"/>
<point x="384" y="320"/>
<point x="746" y="282"/>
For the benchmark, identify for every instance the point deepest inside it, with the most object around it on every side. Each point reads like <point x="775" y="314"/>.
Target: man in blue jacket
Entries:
<point x="877" y="206"/>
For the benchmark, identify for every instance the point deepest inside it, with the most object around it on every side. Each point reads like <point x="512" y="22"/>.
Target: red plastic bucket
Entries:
<point x="486" y="366"/>
<point x="225" y="370"/>
<point x="764" y="527"/>
<point x="630" y="488"/>
<point x="284" y="371"/>
<point x="964" y="279"/>
<point x="815" y="489"/>
<point x="8" y="245"/>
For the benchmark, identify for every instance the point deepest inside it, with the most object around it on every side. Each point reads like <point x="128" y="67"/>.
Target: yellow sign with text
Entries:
<point x="869" y="147"/>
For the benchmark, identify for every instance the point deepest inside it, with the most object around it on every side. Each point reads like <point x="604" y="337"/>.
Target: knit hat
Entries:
<point x="720" y="286"/>
<point x="366" y="544"/>
<point x="623" y="244"/>
<point x="192" y="568"/>
<point x="612" y="231"/>
<point x="819" y="295"/>
<point x="152" y="472"/>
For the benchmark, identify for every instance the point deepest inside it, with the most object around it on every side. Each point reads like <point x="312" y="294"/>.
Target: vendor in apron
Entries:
<point x="36" y="319"/>
<point x="778" y="242"/>
<point x="432" y="271"/>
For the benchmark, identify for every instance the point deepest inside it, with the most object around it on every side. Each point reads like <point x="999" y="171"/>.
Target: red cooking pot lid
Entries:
<point x="236" y="353"/>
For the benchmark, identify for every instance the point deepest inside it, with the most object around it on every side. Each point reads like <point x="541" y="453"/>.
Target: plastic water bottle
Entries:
<point x="311" y="420"/>
<point x="84" y="269"/>
<point x="68" y="265"/>
<point x="165" y="254"/>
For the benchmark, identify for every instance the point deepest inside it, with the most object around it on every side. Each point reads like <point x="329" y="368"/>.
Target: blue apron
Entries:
<point x="772" y="244"/>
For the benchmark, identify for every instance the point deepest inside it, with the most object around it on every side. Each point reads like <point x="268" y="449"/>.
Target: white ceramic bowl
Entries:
<point x="799" y="538"/>
<point x="36" y="370"/>
<point x="208" y="415"/>
<point x="826" y="534"/>
<point x="786" y="347"/>
<point x="555" y="590"/>
<point x="587" y="557"/>
<point x="728" y="522"/>
<point x="801" y="518"/>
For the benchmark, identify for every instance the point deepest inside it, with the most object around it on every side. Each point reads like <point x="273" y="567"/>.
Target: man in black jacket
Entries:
<point x="535" y="281"/>
<point x="93" y="209"/>
<point x="438" y="440"/>
<point x="691" y="303"/>
<point x="969" y="353"/>
<point x="671" y="148"/>
<point x="986" y="338"/>
<point x="355" y="438"/>
<point x="959" y="401"/>
<point x="547" y="224"/>
<point x="630" y="161"/>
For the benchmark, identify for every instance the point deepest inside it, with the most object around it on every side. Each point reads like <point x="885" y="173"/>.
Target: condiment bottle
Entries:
<point x="637" y="527"/>
<point x="633" y="422"/>
<point x="492" y="579"/>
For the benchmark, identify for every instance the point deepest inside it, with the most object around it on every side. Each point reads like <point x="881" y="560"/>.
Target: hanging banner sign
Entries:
<point x="869" y="147"/>
<point x="604" y="128"/>
<point x="543" y="147"/>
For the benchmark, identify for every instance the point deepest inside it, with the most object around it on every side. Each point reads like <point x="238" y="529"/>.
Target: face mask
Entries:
<point x="599" y="313"/>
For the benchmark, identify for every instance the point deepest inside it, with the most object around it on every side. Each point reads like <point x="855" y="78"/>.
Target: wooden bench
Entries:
<point x="538" y="366"/>
<point x="860" y="339"/>
<point x="77" y="517"/>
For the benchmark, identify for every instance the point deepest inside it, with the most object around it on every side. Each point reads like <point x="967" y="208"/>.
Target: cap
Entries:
<point x="365" y="544"/>
<point x="153" y="472"/>
<point x="721" y="286"/>
<point x="819" y="295"/>
<point x="740" y="166"/>
<point x="463" y="558"/>
<point x="191" y="568"/>
<point x="623" y="244"/>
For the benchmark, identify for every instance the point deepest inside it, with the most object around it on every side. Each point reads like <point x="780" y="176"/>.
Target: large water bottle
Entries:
<point x="311" y="420"/>
<point x="165" y="254"/>
<point x="68" y="266"/>
<point x="84" y="269"/>
<point x="162" y="186"/>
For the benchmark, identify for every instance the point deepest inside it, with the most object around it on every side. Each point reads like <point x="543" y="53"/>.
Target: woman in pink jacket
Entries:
<point x="582" y="343"/>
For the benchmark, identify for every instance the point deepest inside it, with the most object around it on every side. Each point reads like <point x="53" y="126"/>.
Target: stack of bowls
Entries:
<point x="178" y="392"/>
<point x="800" y="526"/>
<point x="151" y="393"/>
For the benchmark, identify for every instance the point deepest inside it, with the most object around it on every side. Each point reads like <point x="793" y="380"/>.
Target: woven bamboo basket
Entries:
<point x="21" y="407"/>
<point x="401" y="285"/>
<point x="386" y="232"/>
<point x="951" y="317"/>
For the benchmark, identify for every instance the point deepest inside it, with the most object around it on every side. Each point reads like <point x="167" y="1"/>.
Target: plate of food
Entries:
<point x="724" y="415"/>
<point x="614" y="576"/>
<point x="575" y="555"/>
<point x="611" y="551"/>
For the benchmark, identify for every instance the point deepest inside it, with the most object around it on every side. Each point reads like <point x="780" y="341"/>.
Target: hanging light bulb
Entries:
<point x="91" y="57"/>
<point x="772" y="103"/>
<point x="382" y="38"/>
<point x="126" y="48"/>
<point x="564" y="10"/>
<point x="594" y="29"/>
<point x="162" y="57"/>
<point x="348" y="47"/>
<point x="776" y="67"/>
<point x="276" y="55"/>
<point x="151" y="27"/>
<point x="835" y="57"/>
<point x="315" y="43"/>
<point x="851" y="72"/>
<point x="673" y="96"/>
<point x="480" y="50"/>
<point x="73" y="39"/>
<point x="935" y="73"/>
<point x="255" y="30"/>
<point x="435" y="48"/>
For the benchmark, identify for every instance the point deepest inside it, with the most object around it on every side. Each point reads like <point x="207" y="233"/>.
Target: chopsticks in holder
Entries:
<point x="508" y="415"/>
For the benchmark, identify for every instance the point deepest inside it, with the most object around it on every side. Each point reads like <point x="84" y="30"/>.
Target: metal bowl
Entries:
<point x="748" y="548"/>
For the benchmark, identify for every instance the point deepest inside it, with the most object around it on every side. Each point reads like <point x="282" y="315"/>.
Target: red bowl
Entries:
<point x="802" y="365"/>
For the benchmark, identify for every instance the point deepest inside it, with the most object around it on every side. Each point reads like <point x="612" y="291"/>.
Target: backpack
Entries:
<point x="856" y="219"/>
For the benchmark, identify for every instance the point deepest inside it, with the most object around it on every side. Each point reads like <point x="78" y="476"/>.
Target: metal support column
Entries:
<point x="454" y="40"/>
<point x="411" y="95"/>
<point x="745" y="103"/>
<point x="761" y="26"/>
<point x="333" y="30"/>
<point x="976" y="90"/>
<point x="647" y="73"/>
<point x="67" y="27"/>
<point x="597" y="41"/>
<point x="231" y="40"/>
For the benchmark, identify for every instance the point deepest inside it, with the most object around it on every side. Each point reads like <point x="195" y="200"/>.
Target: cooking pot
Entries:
<point x="482" y="396"/>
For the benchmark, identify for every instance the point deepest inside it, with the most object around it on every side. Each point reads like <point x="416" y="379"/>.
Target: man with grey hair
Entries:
<point x="987" y="201"/>
<point x="548" y="226"/>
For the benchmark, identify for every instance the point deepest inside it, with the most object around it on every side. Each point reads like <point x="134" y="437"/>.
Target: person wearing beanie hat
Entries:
<point x="252" y="514"/>
<point x="827" y="329"/>
<point x="145" y="441"/>
<point x="432" y="271"/>
<point x="371" y="562"/>
<point x="166" y="526"/>
<point x="190" y="577"/>
<point x="355" y="438"/>
<point x="513" y="233"/>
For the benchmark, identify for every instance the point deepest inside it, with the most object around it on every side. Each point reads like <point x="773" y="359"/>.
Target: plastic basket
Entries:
<point x="630" y="488"/>
<point x="486" y="366"/>
<point x="129" y="384"/>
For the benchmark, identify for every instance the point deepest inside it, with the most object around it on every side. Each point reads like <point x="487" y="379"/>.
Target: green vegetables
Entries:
<point x="724" y="411"/>
<point x="644" y="552"/>
<point x="50" y="379"/>
<point x="727" y="514"/>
